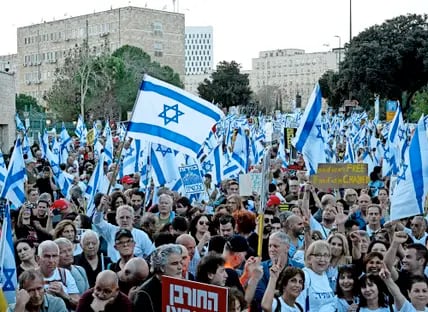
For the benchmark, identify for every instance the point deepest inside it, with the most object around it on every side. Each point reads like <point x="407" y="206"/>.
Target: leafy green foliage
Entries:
<point x="25" y="102"/>
<point x="390" y="59"/>
<point x="103" y="85"/>
<point x="419" y="105"/>
<point x="226" y="86"/>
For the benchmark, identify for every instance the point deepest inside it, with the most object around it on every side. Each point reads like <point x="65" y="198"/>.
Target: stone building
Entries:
<point x="42" y="47"/>
<point x="7" y="108"/>
<point x="288" y="76"/>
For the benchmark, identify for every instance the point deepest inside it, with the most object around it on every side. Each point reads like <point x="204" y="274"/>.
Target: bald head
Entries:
<point x="107" y="277"/>
<point x="189" y="242"/>
<point x="135" y="270"/>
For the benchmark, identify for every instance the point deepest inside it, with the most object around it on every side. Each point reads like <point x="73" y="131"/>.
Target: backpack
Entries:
<point x="278" y="305"/>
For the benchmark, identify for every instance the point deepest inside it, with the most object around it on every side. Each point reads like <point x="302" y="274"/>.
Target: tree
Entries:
<point x="267" y="97"/>
<point x="390" y="59"/>
<point x="419" y="105"/>
<point x="25" y="102"/>
<point x="103" y="85"/>
<point x="226" y="86"/>
<point x="331" y="90"/>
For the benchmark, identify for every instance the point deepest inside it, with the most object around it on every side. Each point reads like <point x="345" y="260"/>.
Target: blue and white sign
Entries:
<point x="191" y="178"/>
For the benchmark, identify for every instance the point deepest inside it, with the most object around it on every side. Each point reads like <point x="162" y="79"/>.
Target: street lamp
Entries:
<point x="340" y="49"/>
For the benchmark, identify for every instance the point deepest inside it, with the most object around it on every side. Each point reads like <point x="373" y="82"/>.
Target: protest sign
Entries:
<point x="341" y="176"/>
<point x="186" y="296"/>
<point x="191" y="178"/>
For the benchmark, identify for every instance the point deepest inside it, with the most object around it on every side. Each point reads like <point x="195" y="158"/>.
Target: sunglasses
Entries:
<point x="204" y="223"/>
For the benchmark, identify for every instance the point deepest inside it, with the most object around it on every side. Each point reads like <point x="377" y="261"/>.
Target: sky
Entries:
<point x="241" y="28"/>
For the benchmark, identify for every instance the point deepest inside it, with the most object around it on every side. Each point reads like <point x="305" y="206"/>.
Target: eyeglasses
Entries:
<point x="204" y="223"/>
<point x="123" y="243"/>
<point x="319" y="257"/>
<point x="268" y="220"/>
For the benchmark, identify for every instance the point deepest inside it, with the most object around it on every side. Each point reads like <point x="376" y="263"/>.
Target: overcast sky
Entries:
<point x="242" y="28"/>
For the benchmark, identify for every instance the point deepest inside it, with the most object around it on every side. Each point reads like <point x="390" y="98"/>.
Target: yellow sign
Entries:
<point x="341" y="176"/>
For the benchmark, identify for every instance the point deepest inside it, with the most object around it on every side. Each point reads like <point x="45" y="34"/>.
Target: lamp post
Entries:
<point x="340" y="50"/>
<point x="350" y="20"/>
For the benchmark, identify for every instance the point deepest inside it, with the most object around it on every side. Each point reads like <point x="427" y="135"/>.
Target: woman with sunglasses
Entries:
<point x="199" y="229"/>
<point x="317" y="295"/>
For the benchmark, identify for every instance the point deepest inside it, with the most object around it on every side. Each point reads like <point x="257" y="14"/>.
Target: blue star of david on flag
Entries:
<point x="207" y="166"/>
<point x="402" y="176"/>
<point x="8" y="283"/>
<point x="165" y="151"/>
<point x="167" y="118"/>
<point x="401" y="133"/>
<point x="319" y="135"/>
<point x="130" y="152"/>
<point x="386" y="154"/>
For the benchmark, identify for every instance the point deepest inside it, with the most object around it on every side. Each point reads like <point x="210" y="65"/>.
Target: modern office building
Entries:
<point x="198" y="55"/>
<point x="289" y="75"/>
<point x="42" y="47"/>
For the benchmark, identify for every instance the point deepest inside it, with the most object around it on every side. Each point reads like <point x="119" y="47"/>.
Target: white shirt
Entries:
<point x="317" y="288"/>
<point x="284" y="307"/>
<point x="143" y="245"/>
<point x="408" y="307"/>
<point x="69" y="287"/>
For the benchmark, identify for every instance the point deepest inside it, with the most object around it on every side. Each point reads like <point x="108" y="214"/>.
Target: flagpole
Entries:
<point x="115" y="172"/>
<point x="263" y="199"/>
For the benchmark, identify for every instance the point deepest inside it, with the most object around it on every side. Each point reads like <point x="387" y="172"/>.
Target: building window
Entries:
<point x="158" y="47"/>
<point x="157" y="29"/>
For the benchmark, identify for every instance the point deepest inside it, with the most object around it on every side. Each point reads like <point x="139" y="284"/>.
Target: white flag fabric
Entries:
<point x="172" y="117"/>
<point x="13" y="188"/>
<point x="309" y="137"/>
<point x="412" y="182"/>
<point x="8" y="275"/>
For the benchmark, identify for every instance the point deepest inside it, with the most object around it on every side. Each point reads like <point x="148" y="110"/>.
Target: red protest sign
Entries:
<point x="185" y="296"/>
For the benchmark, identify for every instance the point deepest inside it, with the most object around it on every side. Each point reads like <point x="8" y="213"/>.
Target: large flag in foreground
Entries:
<point x="8" y="278"/>
<point x="309" y="137"/>
<point x="172" y="117"/>
<point x="412" y="182"/>
<point x="13" y="188"/>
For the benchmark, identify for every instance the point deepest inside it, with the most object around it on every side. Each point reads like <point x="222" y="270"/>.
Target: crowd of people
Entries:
<point x="323" y="250"/>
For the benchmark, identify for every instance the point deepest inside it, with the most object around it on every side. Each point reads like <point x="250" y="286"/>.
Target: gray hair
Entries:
<point x="125" y="207"/>
<point x="63" y="241"/>
<point x="282" y="236"/>
<point x="47" y="244"/>
<point x="159" y="257"/>
<point x="88" y="233"/>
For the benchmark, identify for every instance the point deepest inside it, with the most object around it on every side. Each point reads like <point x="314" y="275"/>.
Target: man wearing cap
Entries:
<point x="273" y="204"/>
<point x="127" y="182"/>
<point x="31" y="171"/>
<point x="124" y="244"/>
<point x="125" y="219"/>
<point x="234" y="253"/>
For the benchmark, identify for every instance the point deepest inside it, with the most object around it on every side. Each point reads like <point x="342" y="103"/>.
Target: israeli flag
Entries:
<point x="164" y="165"/>
<point x="64" y="181"/>
<point x="8" y="277"/>
<point x="214" y="164"/>
<point x="15" y="179"/>
<point x="349" y="153"/>
<point x="172" y="117"/>
<point x="19" y="125"/>
<point x="309" y="137"/>
<point x="394" y="144"/>
<point x="65" y="144"/>
<point x="241" y="150"/>
<point x="97" y="183"/>
<point x="81" y="130"/>
<point x="412" y="182"/>
<point x="3" y="171"/>
<point x="130" y="159"/>
<point x="108" y="147"/>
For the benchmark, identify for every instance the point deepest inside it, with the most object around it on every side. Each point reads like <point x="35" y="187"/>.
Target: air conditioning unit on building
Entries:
<point x="104" y="34"/>
<point x="39" y="63"/>
<point x="28" y="82"/>
<point x="25" y="64"/>
<point x="30" y="64"/>
<point x="38" y="81"/>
